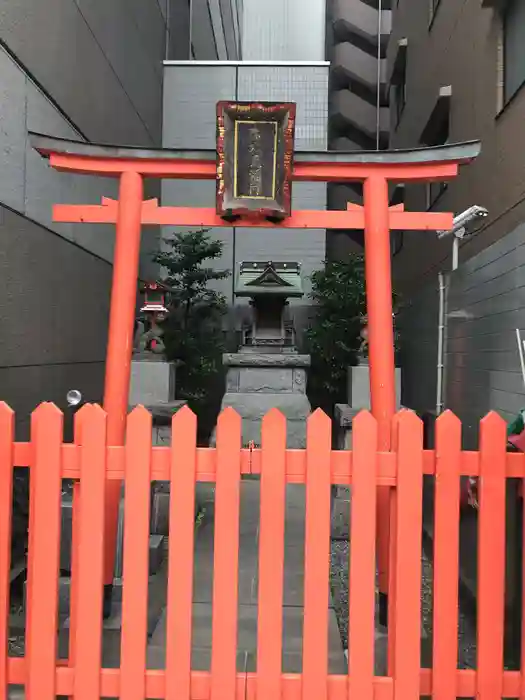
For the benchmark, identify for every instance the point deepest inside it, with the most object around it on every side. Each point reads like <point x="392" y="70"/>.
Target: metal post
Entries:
<point x="120" y="344"/>
<point x="378" y="275"/>
<point x="378" y="96"/>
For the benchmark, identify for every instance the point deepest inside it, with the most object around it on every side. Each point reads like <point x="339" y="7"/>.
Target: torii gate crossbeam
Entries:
<point x="376" y="169"/>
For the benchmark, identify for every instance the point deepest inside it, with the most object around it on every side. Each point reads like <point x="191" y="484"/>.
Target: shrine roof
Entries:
<point x="269" y="278"/>
<point x="454" y="153"/>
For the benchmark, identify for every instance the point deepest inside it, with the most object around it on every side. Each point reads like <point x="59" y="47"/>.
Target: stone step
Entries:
<point x="292" y="662"/>
<point x="293" y="618"/>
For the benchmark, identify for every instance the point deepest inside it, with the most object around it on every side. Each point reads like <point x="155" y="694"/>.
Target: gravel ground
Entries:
<point x="339" y="584"/>
<point x="16" y="640"/>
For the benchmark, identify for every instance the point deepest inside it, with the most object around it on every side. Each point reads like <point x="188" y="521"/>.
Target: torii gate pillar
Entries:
<point x="375" y="169"/>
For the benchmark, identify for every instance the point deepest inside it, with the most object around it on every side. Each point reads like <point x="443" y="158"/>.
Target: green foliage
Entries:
<point x="334" y="335"/>
<point x="193" y="329"/>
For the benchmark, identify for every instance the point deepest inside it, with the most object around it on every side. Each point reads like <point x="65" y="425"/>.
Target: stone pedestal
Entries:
<point x="358" y="400"/>
<point x="152" y="380"/>
<point x="153" y="386"/>
<point x="258" y="382"/>
<point x="358" y="387"/>
<point x="343" y="417"/>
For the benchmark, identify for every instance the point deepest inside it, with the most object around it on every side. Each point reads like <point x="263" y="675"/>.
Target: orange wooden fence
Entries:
<point x="91" y="462"/>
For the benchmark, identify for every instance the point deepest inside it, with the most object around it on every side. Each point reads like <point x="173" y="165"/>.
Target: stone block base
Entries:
<point x="152" y="381"/>
<point x="253" y="407"/>
<point x="156" y="557"/>
<point x="358" y="387"/>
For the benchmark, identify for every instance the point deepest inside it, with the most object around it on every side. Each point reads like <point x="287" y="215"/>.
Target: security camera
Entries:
<point x="462" y="221"/>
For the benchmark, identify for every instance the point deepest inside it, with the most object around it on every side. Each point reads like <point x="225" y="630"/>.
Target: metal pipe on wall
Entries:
<point x="455" y="253"/>
<point x="441" y="344"/>
<point x="190" y="32"/>
<point x="378" y="100"/>
<point x="167" y="33"/>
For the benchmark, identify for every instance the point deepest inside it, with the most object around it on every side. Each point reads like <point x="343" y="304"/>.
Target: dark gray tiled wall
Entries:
<point x="485" y="305"/>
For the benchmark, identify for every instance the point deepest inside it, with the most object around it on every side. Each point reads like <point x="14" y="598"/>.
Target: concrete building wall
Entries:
<point x="357" y="36"/>
<point x="100" y="61"/>
<point x="74" y="69"/>
<point x="485" y="303"/>
<point x="27" y="184"/>
<point x="191" y="93"/>
<point x="215" y="30"/>
<point x="54" y="304"/>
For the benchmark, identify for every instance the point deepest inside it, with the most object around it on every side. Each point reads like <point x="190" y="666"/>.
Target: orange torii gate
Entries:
<point x="375" y="169"/>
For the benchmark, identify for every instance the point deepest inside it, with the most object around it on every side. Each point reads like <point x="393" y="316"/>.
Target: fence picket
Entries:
<point x="136" y="555"/>
<point x="446" y="556"/>
<point x="225" y="558"/>
<point x="391" y="612"/>
<point x="491" y="557"/>
<point x="271" y="556"/>
<point x="44" y="552"/>
<point x="7" y="428"/>
<point x="90" y="554"/>
<point x="180" y="563"/>
<point x="45" y="678"/>
<point x="408" y="557"/>
<point x="75" y="534"/>
<point x="522" y="664"/>
<point x="362" y="558"/>
<point x="317" y="557"/>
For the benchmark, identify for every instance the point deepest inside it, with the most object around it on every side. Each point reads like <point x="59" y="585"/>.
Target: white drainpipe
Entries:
<point x="441" y="345"/>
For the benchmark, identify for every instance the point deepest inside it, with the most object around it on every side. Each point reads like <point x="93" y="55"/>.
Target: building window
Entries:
<point x="432" y="8"/>
<point x="398" y="81"/>
<point x="434" y="192"/>
<point x="396" y="237"/>
<point x="437" y="133"/>
<point x="513" y="48"/>
<point x="400" y="94"/>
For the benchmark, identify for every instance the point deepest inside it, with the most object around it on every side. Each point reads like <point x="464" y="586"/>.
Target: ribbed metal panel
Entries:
<point x="284" y="30"/>
<point x="191" y="93"/>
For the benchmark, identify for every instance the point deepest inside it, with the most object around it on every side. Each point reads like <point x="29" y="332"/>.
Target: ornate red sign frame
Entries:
<point x="255" y="147"/>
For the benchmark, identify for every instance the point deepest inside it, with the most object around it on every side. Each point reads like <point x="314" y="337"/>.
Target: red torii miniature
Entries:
<point x="374" y="168"/>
